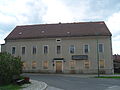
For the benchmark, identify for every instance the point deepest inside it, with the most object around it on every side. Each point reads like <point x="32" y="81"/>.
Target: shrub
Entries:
<point x="10" y="66"/>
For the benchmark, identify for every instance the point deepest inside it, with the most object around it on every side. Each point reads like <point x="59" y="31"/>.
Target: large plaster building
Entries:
<point x="62" y="48"/>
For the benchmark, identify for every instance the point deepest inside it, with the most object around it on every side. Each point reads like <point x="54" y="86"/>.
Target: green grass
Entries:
<point x="10" y="87"/>
<point x="112" y="77"/>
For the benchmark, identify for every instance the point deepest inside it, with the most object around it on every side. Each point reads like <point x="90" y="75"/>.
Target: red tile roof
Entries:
<point x="59" y="30"/>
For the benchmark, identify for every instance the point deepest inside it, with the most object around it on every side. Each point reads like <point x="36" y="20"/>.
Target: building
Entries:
<point x="116" y="61"/>
<point x="62" y="48"/>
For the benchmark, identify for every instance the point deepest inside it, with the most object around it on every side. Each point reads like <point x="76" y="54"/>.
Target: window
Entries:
<point x="45" y="49"/>
<point x="45" y="64"/>
<point x="24" y="65"/>
<point x="72" y="49"/>
<point x="72" y="64"/>
<point x="34" y="50"/>
<point x="58" y="49"/>
<point x="34" y="64"/>
<point x="23" y="50"/>
<point x="100" y="47"/>
<point x="87" y="64"/>
<point x="13" y="50"/>
<point x="86" y="48"/>
<point x="58" y="40"/>
<point x="101" y="63"/>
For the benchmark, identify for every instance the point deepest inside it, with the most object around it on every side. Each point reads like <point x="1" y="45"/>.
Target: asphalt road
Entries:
<point x="68" y="82"/>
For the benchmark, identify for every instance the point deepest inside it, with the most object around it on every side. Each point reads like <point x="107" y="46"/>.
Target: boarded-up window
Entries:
<point x="45" y="64"/>
<point x="72" y="64"/>
<point x="102" y="63"/>
<point x="87" y="64"/>
<point x="34" y="65"/>
<point x="24" y="65"/>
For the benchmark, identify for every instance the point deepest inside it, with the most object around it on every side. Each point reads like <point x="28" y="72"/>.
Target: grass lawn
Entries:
<point x="113" y="77"/>
<point x="10" y="87"/>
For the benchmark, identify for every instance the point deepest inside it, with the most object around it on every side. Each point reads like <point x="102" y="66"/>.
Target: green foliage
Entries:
<point x="10" y="87"/>
<point x="112" y="77"/>
<point x="10" y="66"/>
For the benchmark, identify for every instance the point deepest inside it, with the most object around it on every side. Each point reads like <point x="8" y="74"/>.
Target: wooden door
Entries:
<point x="58" y="66"/>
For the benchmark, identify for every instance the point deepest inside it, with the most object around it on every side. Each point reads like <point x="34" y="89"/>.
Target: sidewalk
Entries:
<point x="35" y="85"/>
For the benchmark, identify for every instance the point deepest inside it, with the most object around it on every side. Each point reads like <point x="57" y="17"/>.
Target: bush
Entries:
<point x="10" y="66"/>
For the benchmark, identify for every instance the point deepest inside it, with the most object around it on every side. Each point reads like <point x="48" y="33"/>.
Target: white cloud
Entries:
<point x="56" y="12"/>
<point x="113" y="24"/>
<point x="3" y="35"/>
<point x="21" y="11"/>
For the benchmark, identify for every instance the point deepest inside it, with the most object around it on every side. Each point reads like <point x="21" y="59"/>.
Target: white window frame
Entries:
<point x="58" y="39"/>
<point x="103" y="47"/>
<point x="47" y="50"/>
<point x="21" y="49"/>
<point x="70" y="48"/>
<point x="15" y="50"/>
<point x="32" y="50"/>
<point x="84" y="48"/>
<point x="60" y="49"/>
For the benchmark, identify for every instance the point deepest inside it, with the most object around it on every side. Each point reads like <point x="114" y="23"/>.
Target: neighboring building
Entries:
<point x="63" y="47"/>
<point x="116" y="60"/>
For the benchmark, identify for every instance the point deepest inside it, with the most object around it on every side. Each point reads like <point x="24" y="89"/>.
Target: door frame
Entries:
<point x="55" y="64"/>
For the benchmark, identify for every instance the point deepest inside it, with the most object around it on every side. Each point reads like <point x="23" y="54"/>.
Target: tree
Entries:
<point x="10" y="66"/>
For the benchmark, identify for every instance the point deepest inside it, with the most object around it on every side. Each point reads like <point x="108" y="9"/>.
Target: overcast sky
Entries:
<point x="24" y="12"/>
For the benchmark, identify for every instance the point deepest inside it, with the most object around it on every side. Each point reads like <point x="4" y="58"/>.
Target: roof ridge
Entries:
<point x="62" y="23"/>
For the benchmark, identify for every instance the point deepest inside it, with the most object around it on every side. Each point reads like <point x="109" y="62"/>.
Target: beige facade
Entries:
<point x="57" y="56"/>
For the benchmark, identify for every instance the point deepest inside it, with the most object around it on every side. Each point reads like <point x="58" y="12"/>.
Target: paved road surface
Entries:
<point x="68" y="82"/>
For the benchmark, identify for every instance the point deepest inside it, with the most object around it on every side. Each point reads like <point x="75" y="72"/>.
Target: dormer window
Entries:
<point x="42" y="31"/>
<point x="20" y="33"/>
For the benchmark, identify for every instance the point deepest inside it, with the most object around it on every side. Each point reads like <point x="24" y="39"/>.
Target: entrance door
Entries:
<point x="58" y="66"/>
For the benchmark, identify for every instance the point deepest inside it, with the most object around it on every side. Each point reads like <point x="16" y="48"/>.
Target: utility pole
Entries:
<point x="98" y="58"/>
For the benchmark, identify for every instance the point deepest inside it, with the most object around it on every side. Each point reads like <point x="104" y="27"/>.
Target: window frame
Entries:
<point x="45" y="64"/>
<point x="34" y="64"/>
<point x="34" y="53"/>
<point x="60" y="50"/>
<point x="22" y="50"/>
<point x="44" y="49"/>
<point x="85" y="64"/>
<point x="73" y="49"/>
<point x="12" y="50"/>
<point x="72" y="64"/>
<point x="99" y="47"/>
<point x="58" y="39"/>
<point x="84" y="48"/>
<point x="102" y="65"/>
